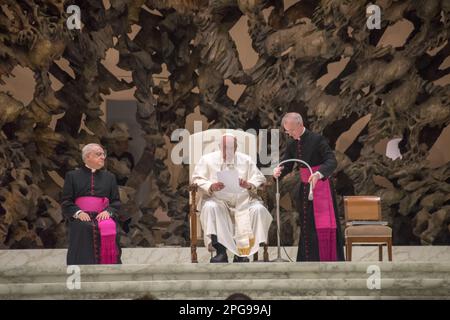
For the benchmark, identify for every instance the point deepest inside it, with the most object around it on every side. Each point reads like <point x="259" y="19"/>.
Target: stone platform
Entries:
<point x="166" y="273"/>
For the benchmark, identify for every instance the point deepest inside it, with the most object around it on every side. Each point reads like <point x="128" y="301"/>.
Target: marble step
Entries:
<point x="339" y="270"/>
<point x="261" y="288"/>
<point x="196" y="281"/>
<point x="182" y="255"/>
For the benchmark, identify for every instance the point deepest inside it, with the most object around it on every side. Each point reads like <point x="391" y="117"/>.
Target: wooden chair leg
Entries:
<point x="266" y="253"/>
<point x="348" y="248"/>
<point x="194" y="238"/>
<point x="389" y="247"/>
<point x="194" y="253"/>
<point x="255" y="257"/>
<point x="193" y="216"/>
<point x="380" y="252"/>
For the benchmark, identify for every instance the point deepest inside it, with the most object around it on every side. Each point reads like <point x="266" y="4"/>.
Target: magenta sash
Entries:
<point x="324" y="216"/>
<point x="107" y="228"/>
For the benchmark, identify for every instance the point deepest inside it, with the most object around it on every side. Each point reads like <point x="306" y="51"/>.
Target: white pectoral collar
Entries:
<point x="92" y="170"/>
<point x="224" y="164"/>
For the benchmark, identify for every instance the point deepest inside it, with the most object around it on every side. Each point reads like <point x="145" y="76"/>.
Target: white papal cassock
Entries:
<point x="240" y="221"/>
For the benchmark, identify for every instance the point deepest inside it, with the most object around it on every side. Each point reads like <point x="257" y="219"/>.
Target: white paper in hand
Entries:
<point x="230" y="178"/>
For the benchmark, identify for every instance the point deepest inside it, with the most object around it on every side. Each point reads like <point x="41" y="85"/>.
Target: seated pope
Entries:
<point x="231" y="220"/>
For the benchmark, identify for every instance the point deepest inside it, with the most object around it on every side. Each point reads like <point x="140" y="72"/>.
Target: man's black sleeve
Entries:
<point x="329" y="163"/>
<point x="68" y="206"/>
<point x="114" y="198"/>
<point x="290" y="153"/>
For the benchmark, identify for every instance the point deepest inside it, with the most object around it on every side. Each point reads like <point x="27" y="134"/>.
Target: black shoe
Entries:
<point x="219" y="258"/>
<point x="240" y="259"/>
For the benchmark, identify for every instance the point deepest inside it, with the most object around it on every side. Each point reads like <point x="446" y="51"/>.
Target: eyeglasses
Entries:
<point x="289" y="131"/>
<point x="99" y="154"/>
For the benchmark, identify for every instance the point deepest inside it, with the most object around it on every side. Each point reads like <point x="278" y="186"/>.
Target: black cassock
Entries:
<point x="84" y="237"/>
<point x="313" y="149"/>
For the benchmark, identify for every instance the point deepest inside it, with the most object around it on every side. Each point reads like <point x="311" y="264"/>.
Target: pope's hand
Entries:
<point x="217" y="186"/>
<point x="244" y="184"/>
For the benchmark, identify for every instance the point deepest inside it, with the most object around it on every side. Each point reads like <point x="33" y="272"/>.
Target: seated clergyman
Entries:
<point x="90" y="201"/>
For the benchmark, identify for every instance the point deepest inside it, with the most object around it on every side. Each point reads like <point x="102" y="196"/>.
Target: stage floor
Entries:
<point x="177" y="255"/>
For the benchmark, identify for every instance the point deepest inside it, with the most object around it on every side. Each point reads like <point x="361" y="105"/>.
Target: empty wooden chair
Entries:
<point x="364" y="225"/>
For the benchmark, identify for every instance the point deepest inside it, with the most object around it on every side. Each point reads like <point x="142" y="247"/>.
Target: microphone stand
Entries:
<point x="277" y="197"/>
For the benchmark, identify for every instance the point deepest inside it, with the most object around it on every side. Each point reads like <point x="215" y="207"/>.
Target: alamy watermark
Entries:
<point x="73" y="281"/>
<point x="374" y="280"/>
<point x="191" y="147"/>
<point x="373" y="13"/>
<point x="374" y="17"/>
<point x="74" y="20"/>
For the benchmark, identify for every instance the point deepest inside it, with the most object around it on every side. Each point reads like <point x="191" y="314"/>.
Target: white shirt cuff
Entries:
<point x="77" y="213"/>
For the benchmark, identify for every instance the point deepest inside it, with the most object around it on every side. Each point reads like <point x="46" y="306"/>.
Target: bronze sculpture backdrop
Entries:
<point x="394" y="85"/>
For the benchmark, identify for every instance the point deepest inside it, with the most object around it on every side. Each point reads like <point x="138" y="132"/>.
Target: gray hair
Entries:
<point x="88" y="149"/>
<point x="294" y="116"/>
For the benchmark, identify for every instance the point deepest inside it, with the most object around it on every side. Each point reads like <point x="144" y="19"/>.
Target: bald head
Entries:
<point x="292" y="124"/>
<point x="292" y="117"/>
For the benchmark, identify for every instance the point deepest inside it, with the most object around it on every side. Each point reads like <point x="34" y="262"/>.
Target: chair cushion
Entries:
<point x="368" y="231"/>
